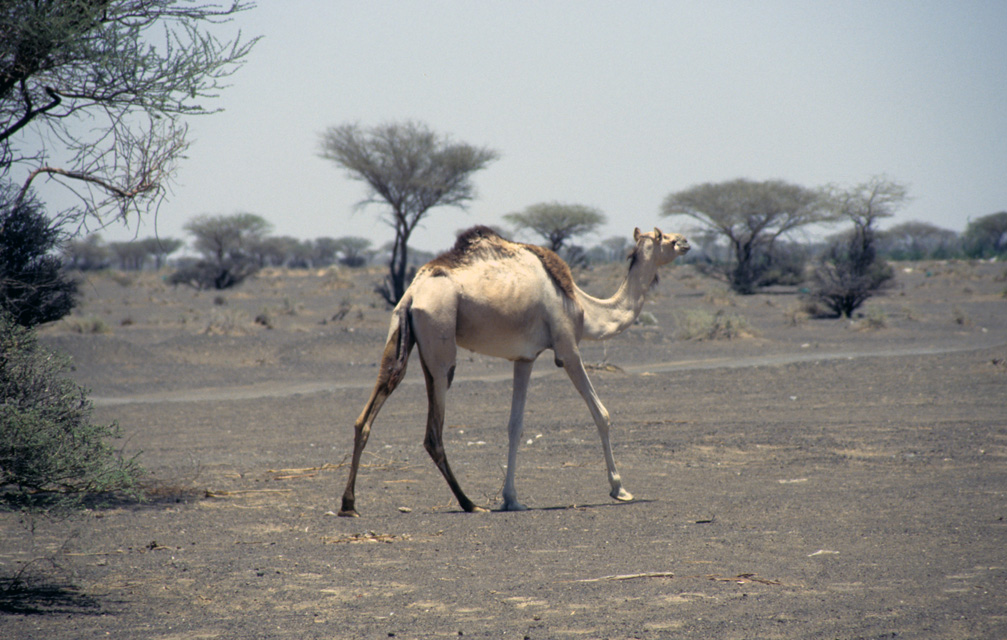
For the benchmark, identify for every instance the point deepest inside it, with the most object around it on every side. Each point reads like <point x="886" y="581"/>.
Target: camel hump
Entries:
<point x="556" y="267"/>
<point x="481" y="241"/>
<point x="466" y="246"/>
<point x="473" y="235"/>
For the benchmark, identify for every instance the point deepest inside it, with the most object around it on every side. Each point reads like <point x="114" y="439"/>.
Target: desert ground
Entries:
<point x="807" y="478"/>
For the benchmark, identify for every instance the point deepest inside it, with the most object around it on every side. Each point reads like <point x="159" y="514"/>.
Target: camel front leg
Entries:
<point x="575" y="369"/>
<point x="522" y="374"/>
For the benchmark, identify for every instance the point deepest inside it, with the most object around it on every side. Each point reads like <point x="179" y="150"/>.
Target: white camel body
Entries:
<point x="511" y="301"/>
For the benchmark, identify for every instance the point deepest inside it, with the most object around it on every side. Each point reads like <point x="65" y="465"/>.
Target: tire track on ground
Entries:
<point x="280" y="389"/>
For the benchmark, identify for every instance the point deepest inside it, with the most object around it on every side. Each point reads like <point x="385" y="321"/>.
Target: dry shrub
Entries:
<point x="228" y="322"/>
<point x="796" y="314"/>
<point x="873" y="320"/>
<point x="721" y="297"/>
<point x="123" y="278"/>
<point x="697" y="324"/>
<point x="333" y="280"/>
<point x="647" y="319"/>
<point x="88" y="325"/>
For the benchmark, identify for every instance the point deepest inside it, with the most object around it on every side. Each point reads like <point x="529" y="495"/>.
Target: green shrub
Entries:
<point x="33" y="286"/>
<point x="51" y="455"/>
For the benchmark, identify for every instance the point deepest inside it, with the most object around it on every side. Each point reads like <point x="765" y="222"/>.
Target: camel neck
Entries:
<point x="604" y="318"/>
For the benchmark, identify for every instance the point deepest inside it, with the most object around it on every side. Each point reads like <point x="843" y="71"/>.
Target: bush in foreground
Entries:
<point x="51" y="455"/>
<point x="33" y="286"/>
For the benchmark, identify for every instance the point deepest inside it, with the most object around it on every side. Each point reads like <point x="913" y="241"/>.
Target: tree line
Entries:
<point x="217" y="237"/>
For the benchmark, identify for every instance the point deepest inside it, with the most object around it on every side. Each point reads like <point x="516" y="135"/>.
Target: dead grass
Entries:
<point x="698" y="324"/>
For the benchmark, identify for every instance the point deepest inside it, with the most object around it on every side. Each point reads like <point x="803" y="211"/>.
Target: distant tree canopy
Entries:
<point x="750" y="216"/>
<point x="89" y="253"/>
<point x="352" y="250"/>
<point x="986" y="237"/>
<point x="915" y="240"/>
<point x="227" y="244"/>
<point x="104" y="87"/>
<point x="557" y="223"/>
<point x="219" y="237"/>
<point x="412" y="170"/>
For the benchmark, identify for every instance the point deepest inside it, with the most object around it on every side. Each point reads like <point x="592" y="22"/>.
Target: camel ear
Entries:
<point x="636" y="234"/>
<point x="658" y="232"/>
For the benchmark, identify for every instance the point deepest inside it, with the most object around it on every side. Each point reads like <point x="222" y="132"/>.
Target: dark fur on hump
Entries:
<point x="470" y="241"/>
<point x="464" y="247"/>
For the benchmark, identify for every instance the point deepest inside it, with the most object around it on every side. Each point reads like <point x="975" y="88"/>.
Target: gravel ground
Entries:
<point x="815" y="479"/>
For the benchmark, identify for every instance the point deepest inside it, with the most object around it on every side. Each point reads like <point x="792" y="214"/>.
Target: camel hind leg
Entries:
<point x="393" y="369"/>
<point x="435" y="321"/>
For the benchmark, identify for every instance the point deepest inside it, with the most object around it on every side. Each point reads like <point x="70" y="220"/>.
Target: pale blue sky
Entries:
<point x="608" y="104"/>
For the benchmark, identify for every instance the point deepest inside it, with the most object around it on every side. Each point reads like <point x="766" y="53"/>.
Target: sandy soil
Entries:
<point x="817" y="479"/>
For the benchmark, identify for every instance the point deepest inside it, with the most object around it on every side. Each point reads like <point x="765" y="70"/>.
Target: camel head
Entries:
<point x="659" y="246"/>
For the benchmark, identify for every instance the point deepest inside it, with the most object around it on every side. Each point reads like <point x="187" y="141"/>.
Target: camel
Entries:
<point x="512" y="301"/>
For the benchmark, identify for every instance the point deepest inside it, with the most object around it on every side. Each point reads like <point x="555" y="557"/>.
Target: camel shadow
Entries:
<point x="583" y="507"/>
<point x="570" y="507"/>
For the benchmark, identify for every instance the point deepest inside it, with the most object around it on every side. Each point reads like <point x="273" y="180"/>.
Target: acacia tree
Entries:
<point x="161" y="248"/>
<point x="93" y="94"/>
<point x="986" y="237"/>
<point x="352" y="250"/>
<point x="412" y="170"/>
<point x="89" y="253"/>
<point x="850" y="271"/>
<point x="915" y="240"/>
<point x="751" y="216"/>
<point x="226" y="243"/>
<point x="556" y="223"/>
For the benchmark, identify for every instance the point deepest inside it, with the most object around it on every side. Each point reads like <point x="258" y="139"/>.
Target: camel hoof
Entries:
<point x="513" y="506"/>
<point x="622" y="495"/>
<point x="476" y="509"/>
<point x="348" y="513"/>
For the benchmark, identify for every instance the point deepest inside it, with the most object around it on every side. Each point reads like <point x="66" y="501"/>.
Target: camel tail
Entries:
<point x="397" y="349"/>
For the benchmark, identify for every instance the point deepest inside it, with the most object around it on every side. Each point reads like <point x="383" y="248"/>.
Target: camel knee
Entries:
<point x="434" y="448"/>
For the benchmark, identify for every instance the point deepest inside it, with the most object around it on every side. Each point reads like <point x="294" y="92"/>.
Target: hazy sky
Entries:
<point x="608" y="104"/>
